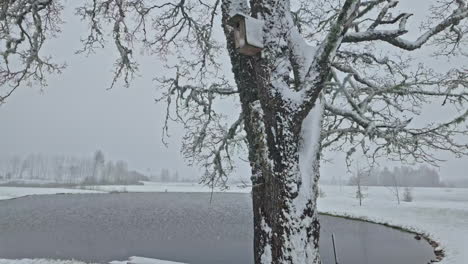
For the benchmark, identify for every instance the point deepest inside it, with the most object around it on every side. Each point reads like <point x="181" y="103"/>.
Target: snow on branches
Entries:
<point x="25" y="25"/>
<point x="370" y="98"/>
<point x="373" y="110"/>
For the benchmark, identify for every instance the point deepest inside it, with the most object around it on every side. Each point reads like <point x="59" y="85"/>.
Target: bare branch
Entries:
<point x="393" y="37"/>
<point x="24" y="28"/>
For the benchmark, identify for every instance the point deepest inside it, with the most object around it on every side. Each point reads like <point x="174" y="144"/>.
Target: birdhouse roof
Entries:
<point x="254" y="28"/>
<point x="236" y="18"/>
<point x="254" y="32"/>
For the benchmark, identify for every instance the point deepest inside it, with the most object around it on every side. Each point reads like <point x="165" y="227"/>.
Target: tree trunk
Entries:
<point x="283" y="139"/>
<point x="284" y="196"/>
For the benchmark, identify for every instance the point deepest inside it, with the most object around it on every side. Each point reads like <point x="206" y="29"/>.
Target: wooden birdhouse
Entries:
<point x="248" y="34"/>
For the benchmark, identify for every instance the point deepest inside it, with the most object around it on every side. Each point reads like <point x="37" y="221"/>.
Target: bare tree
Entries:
<point x="13" y="167"/>
<point x="319" y="82"/>
<point x="98" y="166"/>
<point x="359" y="180"/>
<point x="395" y="188"/>
<point x="58" y="164"/>
<point x="121" y="171"/>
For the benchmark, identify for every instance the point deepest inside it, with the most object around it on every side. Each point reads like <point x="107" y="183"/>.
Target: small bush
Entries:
<point x="322" y="193"/>
<point x="408" y="195"/>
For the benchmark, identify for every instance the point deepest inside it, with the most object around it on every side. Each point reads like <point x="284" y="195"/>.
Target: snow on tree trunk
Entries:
<point x="285" y="217"/>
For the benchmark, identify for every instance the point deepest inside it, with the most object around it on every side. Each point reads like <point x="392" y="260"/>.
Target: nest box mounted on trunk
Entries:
<point x="248" y="34"/>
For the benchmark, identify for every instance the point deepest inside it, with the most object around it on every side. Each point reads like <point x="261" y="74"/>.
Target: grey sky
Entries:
<point x="76" y="115"/>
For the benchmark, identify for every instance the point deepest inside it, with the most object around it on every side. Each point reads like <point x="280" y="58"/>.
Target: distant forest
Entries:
<point x="38" y="169"/>
<point x="422" y="176"/>
<point x="166" y="176"/>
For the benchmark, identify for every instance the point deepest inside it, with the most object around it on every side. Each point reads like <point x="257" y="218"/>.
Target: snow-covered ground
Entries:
<point x="15" y="192"/>
<point x="131" y="260"/>
<point x="140" y="260"/>
<point x="39" y="261"/>
<point x="439" y="213"/>
<point x="165" y="187"/>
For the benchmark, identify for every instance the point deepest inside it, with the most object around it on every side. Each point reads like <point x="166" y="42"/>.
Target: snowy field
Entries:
<point x="165" y="187"/>
<point x="15" y="192"/>
<point x="439" y="213"/>
<point x="131" y="260"/>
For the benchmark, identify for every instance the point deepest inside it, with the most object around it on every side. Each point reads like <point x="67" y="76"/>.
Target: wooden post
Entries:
<point x="334" y="248"/>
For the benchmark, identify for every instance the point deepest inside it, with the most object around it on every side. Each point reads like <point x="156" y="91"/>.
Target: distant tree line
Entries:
<point x="405" y="176"/>
<point x="457" y="183"/>
<point x="68" y="170"/>
<point x="166" y="176"/>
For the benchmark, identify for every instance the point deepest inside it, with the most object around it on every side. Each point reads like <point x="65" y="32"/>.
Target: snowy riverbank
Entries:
<point x="15" y="192"/>
<point x="439" y="213"/>
<point x="131" y="260"/>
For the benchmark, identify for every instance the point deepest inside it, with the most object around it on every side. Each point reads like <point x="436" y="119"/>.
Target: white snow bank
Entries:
<point x="440" y="213"/>
<point x="165" y="187"/>
<point x="140" y="260"/>
<point x="15" y="192"/>
<point x="40" y="261"/>
<point x="131" y="260"/>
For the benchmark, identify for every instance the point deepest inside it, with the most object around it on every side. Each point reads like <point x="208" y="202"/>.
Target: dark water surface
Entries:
<point x="183" y="227"/>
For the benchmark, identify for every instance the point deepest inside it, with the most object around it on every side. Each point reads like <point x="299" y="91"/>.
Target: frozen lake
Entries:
<point x="183" y="227"/>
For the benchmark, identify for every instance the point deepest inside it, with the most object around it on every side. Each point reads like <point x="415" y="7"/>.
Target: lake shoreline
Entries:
<point x="171" y="194"/>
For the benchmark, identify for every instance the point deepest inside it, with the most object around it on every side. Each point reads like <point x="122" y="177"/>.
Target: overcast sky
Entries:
<point x="76" y="115"/>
